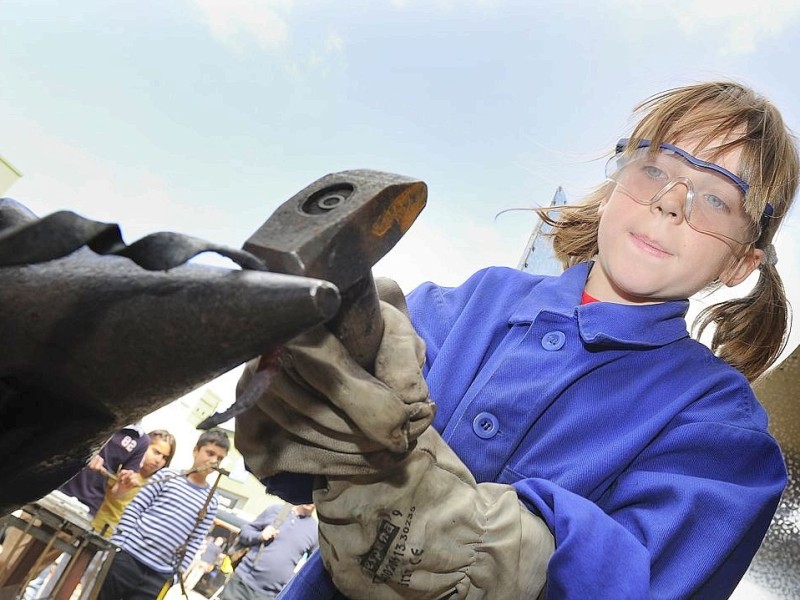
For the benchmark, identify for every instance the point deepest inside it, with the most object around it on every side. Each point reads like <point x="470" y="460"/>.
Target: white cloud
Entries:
<point x="738" y="25"/>
<point x="237" y="22"/>
<point x="334" y="43"/>
<point x="443" y="4"/>
<point x="732" y="27"/>
<point x="241" y="24"/>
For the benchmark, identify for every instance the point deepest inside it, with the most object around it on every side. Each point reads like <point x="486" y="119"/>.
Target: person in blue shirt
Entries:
<point x="583" y="444"/>
<point x="279" y="540"/>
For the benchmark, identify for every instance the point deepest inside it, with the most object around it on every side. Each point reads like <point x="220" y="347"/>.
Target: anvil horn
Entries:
<point x="89" y="343"/>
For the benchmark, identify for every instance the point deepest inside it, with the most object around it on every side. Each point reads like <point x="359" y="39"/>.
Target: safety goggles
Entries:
<point x="714" y="200"/>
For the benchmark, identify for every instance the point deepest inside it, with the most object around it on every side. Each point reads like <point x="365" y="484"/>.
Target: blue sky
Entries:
<point x="202" y="116"/>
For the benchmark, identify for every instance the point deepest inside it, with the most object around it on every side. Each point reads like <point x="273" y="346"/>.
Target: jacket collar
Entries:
<point x="604" y="323"/>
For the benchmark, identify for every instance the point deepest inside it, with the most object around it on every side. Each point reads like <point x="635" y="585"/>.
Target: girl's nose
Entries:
<point x="671" y="201"/>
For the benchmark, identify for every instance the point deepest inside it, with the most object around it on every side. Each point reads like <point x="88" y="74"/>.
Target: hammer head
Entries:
<point x="338" y="227"/>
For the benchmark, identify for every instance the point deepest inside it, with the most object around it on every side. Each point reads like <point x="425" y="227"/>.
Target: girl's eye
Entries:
<point x="654" y="172"/>
<point x="715" y="202"/>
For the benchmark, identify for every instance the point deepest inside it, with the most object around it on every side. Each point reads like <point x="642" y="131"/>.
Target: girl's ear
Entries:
<point x="741" y="269"/>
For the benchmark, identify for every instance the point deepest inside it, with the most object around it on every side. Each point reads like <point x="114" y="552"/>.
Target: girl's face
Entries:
<point x="155" y="458"/>
<point x="648" y="253"/>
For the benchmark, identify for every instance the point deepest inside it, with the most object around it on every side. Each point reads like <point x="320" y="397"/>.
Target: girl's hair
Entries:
<point x="750" y="332"/>
<point x="164" y="436"/>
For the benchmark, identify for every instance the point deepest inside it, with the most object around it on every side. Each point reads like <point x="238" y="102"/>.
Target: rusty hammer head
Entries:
<point x="335" y="230"/>
<point x="338" y="227"/>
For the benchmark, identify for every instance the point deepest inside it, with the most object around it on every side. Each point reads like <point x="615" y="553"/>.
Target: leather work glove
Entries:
<point x="426" y="530"/>
<point x="319" y="412"/>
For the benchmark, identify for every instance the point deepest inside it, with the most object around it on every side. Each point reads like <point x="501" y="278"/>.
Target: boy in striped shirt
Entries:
<point x="162" y="528"/>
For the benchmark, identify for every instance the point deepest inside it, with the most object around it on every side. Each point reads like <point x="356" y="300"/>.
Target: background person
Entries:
<point x="120" y="491"/>
<point x="162" y="528"/>
<point x="204" y="562"/>
<point x="279" y="539"/>
<point x="124" y="450"/>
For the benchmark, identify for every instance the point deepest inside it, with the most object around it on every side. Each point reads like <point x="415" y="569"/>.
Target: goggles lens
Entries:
<point x="714" y="197"/>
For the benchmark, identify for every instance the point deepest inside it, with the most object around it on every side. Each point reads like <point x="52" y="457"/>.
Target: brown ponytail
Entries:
<point x="750" y="332"/>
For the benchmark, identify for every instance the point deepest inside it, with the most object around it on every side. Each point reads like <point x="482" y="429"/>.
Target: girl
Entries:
<point x="121" y="490"/>
<point x="644" y="454"/>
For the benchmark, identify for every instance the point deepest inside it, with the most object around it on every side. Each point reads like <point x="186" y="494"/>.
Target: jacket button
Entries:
<point x="485" y="425"/>
<point x="553" y="340"/>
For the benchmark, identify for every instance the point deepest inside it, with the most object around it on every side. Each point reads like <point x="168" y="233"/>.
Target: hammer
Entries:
<point x="336" y="229"/>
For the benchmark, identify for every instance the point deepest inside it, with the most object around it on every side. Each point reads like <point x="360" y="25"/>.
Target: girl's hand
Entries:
<point x="126" y="481"/>
<point x="316" y="410"/>
<point x="130" y="479"/>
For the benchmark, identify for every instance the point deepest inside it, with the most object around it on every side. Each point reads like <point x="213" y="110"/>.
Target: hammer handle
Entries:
<point x="359" y="324"/>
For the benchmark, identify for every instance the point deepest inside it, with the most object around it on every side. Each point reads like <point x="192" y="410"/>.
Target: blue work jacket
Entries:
<point x="647" y="456"/>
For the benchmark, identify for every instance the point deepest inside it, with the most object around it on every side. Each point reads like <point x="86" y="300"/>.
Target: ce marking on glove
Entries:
<point x="391" y="549"/>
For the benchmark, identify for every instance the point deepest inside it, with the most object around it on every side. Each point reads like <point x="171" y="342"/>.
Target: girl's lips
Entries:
<point x="649" y="246"/>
